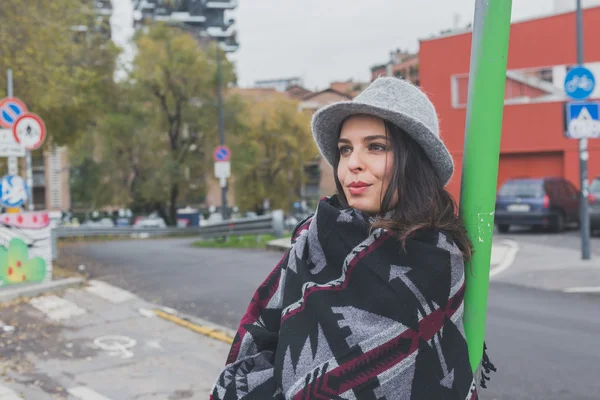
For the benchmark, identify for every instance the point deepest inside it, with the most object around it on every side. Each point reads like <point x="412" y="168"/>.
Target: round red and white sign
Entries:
<point x="29" y="130"/>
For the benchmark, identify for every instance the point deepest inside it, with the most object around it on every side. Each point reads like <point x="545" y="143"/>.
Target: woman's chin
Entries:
<point x="363" y="204"/>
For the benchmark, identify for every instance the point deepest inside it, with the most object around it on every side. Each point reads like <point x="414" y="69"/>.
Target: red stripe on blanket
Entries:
<point x="301" y="229"/>
<point x="378" y="360"/>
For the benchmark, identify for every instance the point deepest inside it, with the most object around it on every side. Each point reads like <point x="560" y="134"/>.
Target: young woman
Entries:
<point x="368" y="302"/>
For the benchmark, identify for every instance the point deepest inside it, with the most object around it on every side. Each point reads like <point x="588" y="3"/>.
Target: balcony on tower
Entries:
<point x="222" y="4"/>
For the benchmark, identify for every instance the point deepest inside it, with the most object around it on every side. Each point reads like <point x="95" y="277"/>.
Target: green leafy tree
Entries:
<point x="179" y="76"/>
<point x="271" y="153"/>
<point x="63" y="62"/>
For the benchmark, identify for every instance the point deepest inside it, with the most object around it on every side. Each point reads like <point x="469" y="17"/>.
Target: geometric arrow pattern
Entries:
<point x="368" y="324"/>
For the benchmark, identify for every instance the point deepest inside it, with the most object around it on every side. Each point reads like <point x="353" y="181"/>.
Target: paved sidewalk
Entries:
<point x="552" y="268"/>
<point x="101" y="343"/>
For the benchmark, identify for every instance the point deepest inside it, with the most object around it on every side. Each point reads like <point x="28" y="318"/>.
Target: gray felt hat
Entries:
<point x="393" y="100"/>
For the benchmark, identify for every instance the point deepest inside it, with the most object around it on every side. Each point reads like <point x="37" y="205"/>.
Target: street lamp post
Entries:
<point x="221" y="126"/>
<point x="224" y="42"/>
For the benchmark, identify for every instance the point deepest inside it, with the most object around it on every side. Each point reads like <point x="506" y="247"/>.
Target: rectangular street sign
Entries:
<point x="222" y="169"/>
<point x="583" y="120"/>
<point x="9" y="146"/>
<point x="7" y="137"/>
<point x="11" y="150"/>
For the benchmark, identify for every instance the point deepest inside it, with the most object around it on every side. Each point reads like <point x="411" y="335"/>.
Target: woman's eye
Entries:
<point x="345" y="150"/>
<point x="376" y="147"/>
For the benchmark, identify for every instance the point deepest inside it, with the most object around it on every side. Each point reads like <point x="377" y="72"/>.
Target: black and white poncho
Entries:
<point x="349" y="314"/>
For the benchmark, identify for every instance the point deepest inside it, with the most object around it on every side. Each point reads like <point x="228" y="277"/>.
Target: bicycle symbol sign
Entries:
<point x="579" y="83"/>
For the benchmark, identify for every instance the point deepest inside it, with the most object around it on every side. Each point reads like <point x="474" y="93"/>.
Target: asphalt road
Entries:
<point x="545" y="344"/>
<point x="213" y="284"/>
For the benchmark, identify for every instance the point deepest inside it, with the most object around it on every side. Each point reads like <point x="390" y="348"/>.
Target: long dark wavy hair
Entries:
<point x="423" y="202"/>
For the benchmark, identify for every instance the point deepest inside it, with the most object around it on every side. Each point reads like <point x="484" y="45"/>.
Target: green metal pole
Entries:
<point x="487" y="79"/>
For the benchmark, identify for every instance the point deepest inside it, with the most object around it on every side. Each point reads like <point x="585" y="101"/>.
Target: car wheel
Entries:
<point x="560" y="223"/>
<point x="503" y="228"/>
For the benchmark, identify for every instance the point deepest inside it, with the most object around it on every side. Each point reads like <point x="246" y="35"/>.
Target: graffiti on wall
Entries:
<point x="25" y="248"/>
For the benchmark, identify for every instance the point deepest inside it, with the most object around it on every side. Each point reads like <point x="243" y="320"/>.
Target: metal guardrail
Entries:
<point x="75" y="232"/>
<point x="271" y="224"/>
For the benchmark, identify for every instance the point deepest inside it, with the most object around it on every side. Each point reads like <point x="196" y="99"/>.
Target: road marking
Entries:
<point x="146" y="312"/>
<point x="8" y="394"/>
<point x="108" y="292"/>
<point x="116" y="345"/>
<point x="508" y="259"/>
<point x="57" y="308"/>
<point x="203" y="330"/>
<point x="85" y="393"/>
<point x="583" y="289"/>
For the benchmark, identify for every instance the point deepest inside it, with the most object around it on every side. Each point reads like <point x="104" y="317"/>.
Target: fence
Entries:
<point x="271" y="224"/>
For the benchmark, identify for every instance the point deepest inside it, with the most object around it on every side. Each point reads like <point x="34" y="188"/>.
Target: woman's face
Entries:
<point x="366" y="162"/>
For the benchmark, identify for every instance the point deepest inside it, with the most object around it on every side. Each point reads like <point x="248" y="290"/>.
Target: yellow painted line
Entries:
<point x="203" y="330"/>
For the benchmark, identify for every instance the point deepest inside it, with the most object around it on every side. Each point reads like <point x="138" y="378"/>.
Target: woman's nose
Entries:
<point x="355" y="162"/>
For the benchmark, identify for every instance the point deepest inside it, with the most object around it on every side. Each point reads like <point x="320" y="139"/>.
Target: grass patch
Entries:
<point x="237" y="242"/>
<point x="59" y="272"/>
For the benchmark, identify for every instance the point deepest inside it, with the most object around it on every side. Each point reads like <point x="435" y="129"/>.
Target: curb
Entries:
<point x="508" y="258"/>
<point x="36" y="289"/>
<point x="275" y="247"/>
<point x="279" y="245"/>
<point x="220" y="334"/>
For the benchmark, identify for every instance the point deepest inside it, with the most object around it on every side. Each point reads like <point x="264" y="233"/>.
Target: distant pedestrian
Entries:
<point x="368" y="302"/>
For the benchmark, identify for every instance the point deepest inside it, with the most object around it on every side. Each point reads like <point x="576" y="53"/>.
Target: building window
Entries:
<point x="546" y="74"/>
<point x="413" y="71"/>
<point x="39" y="179"/>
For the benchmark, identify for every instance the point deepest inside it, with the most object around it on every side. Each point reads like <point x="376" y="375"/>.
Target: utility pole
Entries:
<point x="13" y="162"/>
<point x="221" y="127"/>
<point x="583" y="156"/>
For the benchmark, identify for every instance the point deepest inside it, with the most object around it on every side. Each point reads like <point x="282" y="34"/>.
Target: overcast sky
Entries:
<point x="326" y="40"/>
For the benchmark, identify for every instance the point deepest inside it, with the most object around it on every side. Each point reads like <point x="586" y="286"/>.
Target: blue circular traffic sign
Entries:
<point x="13" y="191"/>
<point x="221" y="153"/>
<point x="11" y="109"/>
<point x="579" y="83"/>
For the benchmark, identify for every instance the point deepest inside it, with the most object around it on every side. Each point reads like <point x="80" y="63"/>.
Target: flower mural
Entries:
<point x="17" y="267"/>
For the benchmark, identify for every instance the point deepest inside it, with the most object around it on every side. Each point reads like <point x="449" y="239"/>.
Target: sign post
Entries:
<point x="582" y="124"/>
<point x="30" y="131"/>
<point x="221" y="157"/>
<point x="24" y="131"/>
<point x="13" y="165"/>
<point x="10" y="109"/>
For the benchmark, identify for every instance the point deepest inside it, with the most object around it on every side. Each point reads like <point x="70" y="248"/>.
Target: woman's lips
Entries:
<point x="354" y="191"/>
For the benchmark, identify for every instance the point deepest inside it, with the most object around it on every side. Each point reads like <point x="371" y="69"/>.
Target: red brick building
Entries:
<point x="404" y="65"/>
<point x="541" y="52"/>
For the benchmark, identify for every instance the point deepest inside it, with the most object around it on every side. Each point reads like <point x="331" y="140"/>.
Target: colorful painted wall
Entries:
<point x="25" y="248"/>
